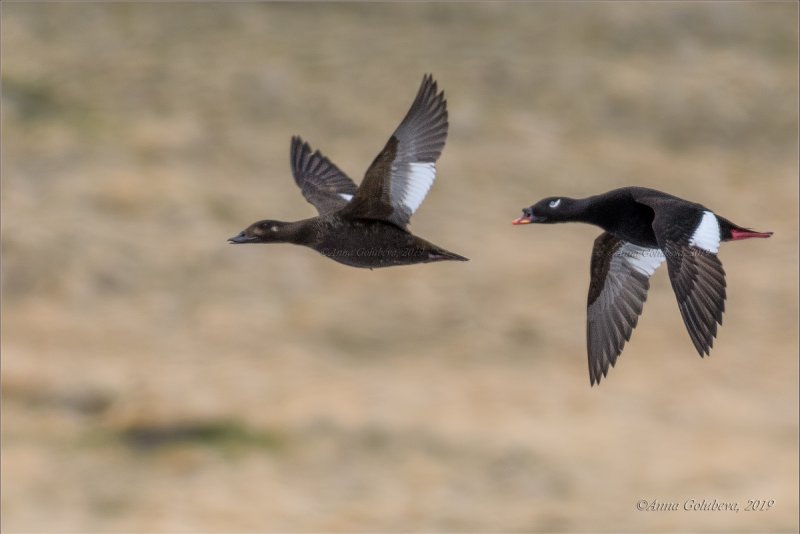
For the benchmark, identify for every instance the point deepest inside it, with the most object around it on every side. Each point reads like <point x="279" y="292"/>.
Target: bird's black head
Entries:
<point x="262" y="232"/>
<point x="548" y="210"/>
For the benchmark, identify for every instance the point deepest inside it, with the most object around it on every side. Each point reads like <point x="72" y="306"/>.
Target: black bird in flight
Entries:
<point x="643" y="227"/>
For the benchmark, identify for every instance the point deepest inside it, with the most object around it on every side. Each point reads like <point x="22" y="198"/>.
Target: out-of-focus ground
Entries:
<point x="156" y="379"/>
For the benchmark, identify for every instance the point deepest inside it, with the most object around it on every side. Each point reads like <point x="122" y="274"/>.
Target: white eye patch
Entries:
<point x="554" y="203"/>
<point x="273" y="228"/>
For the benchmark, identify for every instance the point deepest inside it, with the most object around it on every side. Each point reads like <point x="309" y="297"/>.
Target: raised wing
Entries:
<point x="620" y="279"/>
<point x="325" y="186"/>
<point x="400" y="176"/>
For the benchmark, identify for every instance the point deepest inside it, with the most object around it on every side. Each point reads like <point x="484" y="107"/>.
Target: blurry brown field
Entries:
<point x="155" y="379"/>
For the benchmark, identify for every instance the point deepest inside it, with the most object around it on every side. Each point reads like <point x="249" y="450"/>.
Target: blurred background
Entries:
<point x="155" y="378"/>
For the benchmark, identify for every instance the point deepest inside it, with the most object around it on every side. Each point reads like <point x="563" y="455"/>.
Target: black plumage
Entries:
<point x="643" y="228"/>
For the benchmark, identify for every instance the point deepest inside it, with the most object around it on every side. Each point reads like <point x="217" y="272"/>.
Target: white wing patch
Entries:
<point x="706" y="235"/>
<point x="346" y="196"/>
<point x="645" y="260"/>
<point x="416" y="180"/>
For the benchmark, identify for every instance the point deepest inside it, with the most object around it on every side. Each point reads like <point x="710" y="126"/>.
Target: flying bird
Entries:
<point x="643" y="227"/>
<point x="366" y="226"/>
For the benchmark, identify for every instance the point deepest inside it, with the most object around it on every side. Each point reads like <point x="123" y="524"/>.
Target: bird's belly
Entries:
<point x="635" y="231"/>
<point x="641" y="239"/>
<point x="373" y="247"/>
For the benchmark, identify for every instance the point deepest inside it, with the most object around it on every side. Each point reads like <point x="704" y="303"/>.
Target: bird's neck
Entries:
<point x="297" y="232"/>
<point x="590" y="210"/>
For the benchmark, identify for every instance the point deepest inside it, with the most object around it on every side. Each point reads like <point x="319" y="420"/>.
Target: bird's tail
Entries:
<point x="734" y="232"/>
<point x="444" y="255"/>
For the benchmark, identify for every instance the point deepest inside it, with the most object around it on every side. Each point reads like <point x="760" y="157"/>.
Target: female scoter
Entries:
<point x="366" y="226"/>
<point x="642" y="228"/>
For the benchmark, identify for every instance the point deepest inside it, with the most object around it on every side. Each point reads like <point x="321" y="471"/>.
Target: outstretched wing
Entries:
<point x="620" y="279"/>
<point x="400" y="176"/>
<point x="695" y="271"/>
<point x="698" y="280"/>
<point x="322" y="183"/>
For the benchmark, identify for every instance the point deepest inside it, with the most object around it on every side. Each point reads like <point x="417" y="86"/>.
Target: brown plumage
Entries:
<point x="365" y="226"/>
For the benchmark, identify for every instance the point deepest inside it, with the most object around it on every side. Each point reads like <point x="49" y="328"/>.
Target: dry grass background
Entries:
<point x="156" y="379"/>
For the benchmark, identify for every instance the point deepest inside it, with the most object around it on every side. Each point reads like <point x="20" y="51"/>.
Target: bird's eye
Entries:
<point x="273" y="228"/>
<point x="554" y="203"/>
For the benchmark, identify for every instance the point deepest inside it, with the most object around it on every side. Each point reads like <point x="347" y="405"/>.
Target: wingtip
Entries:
<point x="595" y="374"/>
<point x="296" y="144"/>
<point x="430" y="83"/>
<point x="596" y="377"/>
<point x="703" y="349"/>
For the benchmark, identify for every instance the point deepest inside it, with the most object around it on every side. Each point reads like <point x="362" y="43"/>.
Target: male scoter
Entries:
<point x="642" y="228"/>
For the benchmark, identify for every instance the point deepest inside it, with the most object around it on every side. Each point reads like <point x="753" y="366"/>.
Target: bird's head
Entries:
<point x="261" y="232"/>
<point x="547" y="210"/>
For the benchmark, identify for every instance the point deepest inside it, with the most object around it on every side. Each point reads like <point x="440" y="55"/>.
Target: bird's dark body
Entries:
<point x="642" y="229"/>
<point x="627" y="214"/>
<point x="370" y="243"/>
<point x="365" y="226"/>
